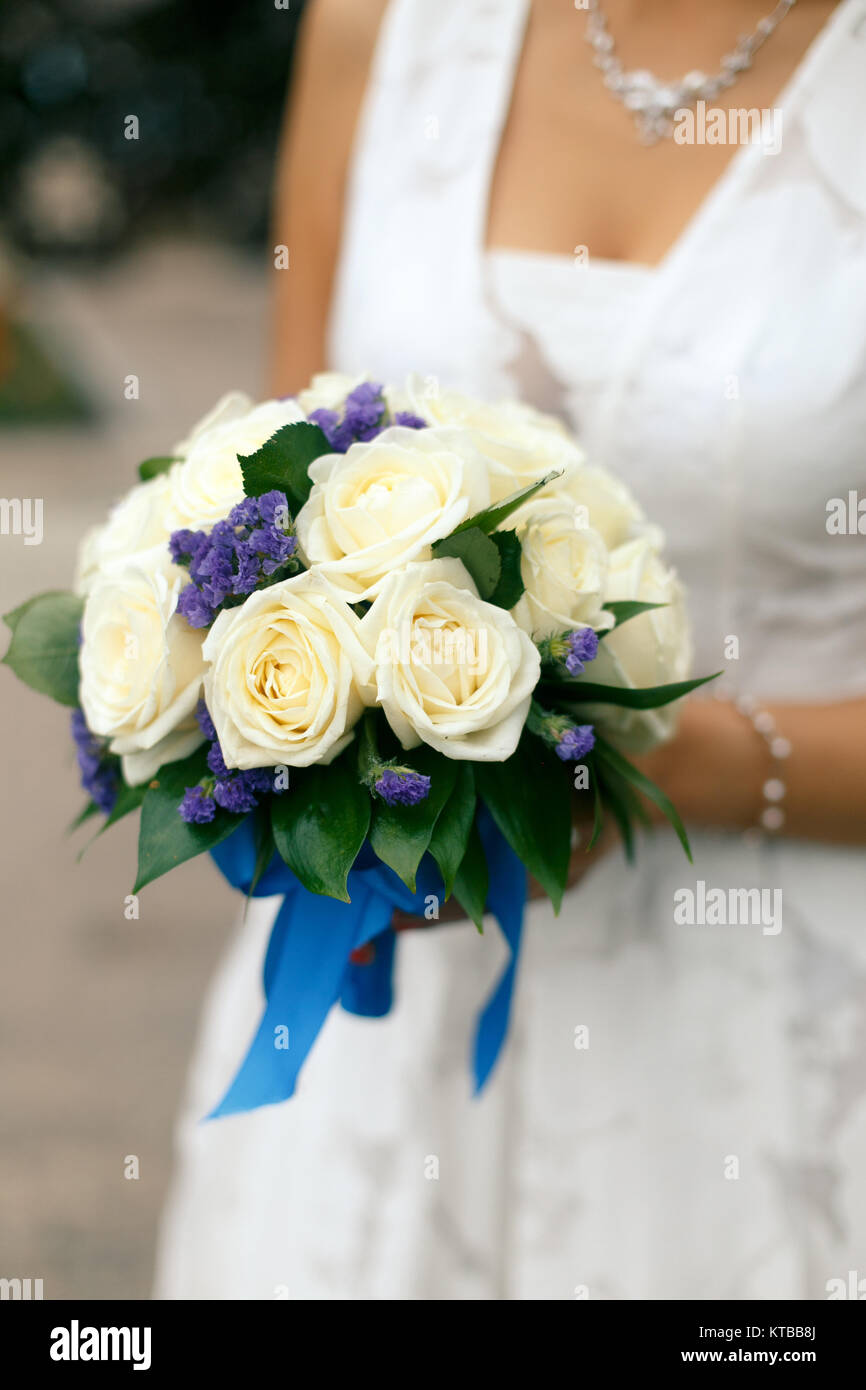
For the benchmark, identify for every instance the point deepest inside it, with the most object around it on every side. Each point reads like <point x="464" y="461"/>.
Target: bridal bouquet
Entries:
<point x="367" y="647"/>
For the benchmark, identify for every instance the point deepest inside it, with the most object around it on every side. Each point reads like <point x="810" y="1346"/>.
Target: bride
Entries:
<point x="472" y="189"/>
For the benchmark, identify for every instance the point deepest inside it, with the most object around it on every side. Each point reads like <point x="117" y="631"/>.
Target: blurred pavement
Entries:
<point x="97" y="1013"/>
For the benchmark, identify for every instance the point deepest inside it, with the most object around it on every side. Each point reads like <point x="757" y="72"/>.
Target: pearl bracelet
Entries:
<point x="772" y="817"/>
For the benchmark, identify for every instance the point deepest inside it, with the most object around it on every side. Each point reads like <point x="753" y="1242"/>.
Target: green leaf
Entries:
<point x="265" y="845"/>
<point x="625" y="608"/>
<point x="509" y="587"/>
<point x="598" y="809"/>
<point x="320" y="824"/>
<point x="164" y="840"/>
<point x="128" y="799"/>
<point x="13" y="618"/>
<point x="615" y="760"/>
<point x="529" y="797"/>
<point x="44" y="648"/>
<point x="85" y="814"/>
<point x="401" y="835"/>
<point x="282" y="462"/>
<point x="492" y="561"/>
<point x="492" y="517"/>
<point x="151" y="468"/>
<point x="641" y="697"/>
<point x="472" y="879"/>
<point x="479" y="554"/>
<point x="453" y="826"/>
<point x="618" y="804"/>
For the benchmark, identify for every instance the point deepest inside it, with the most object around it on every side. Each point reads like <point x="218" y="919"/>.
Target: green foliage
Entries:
<point x="164" y="840"/>
<point x="282" y="462"/>
<point x="320" y="824"/>
<point x="43" y="651"/>
<point x="529" y="797"/>
<point x="151" y="468"/>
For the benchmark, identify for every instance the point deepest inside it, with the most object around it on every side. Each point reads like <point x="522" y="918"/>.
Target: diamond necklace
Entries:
<point x="654" y="103"/>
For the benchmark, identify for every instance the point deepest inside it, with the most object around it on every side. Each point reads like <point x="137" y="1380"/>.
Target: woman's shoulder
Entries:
<point x="341" y="31"/>
<point x="336" y="44"/>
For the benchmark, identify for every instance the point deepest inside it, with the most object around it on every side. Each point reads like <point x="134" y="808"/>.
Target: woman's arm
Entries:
<point x="715" y="768"/>
<point x="335" y="46"/>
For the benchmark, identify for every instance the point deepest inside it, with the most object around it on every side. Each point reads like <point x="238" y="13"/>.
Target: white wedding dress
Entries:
<point x="710" y="1142"/>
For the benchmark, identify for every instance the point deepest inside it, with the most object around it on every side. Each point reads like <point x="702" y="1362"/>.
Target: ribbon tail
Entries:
<point x="505" y="899"/>
<point x="304" y="971"/>
<point x="368" y="988"/>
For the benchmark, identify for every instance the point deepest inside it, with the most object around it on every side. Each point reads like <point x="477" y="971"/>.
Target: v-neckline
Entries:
<point x="734" y="173"/>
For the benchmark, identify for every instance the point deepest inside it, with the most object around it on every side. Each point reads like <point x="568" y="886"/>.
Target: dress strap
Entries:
<point x="437" y="99"/>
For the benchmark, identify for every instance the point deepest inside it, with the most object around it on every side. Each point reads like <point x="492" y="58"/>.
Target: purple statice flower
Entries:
<point x="260" y="779"/>
<point x="582" y="646"/>
<point x="184" y="545"/>
<point x="337" y="433"/>
<point x="364" y="415"/>
<point x="239" y="791"/>
<point x="246" y="513"/>
<point x="575" y="742"/>
<point x="250" y="547"/>
<point x="569" y="741"/>
<point x="233" y="794"/>
<point x="226" y="787"/>
<point x="409" y="421"/>
<point x="197" y="806"/>
<point x="570" y="649"/>
<point x="100" y="777"/>
<point x="192" y="605"/>
<point x="204" y="721"/>
<point x="216" y="761"/>
<point x="365" y="411"/>
<point x="398" y="785"/>
<point x="273" y="510"/>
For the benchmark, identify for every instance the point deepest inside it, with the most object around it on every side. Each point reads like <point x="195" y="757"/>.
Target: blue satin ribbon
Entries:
<point x="307" y="967"/>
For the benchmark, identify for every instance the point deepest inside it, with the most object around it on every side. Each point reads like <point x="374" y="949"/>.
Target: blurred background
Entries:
<point x="127" y="247"/>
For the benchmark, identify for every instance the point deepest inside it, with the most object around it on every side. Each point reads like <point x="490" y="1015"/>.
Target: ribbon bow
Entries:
<point x="308" y="968"/>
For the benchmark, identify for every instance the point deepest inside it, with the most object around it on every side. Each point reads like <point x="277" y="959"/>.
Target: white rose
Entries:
<point x="232" y="406"/>
<point x="138" y="522"/>
<point x="563" y="567"/>
<point x="382" y="504"/>
<point x="603" y="502"/>
<point x="652" y="649"/>
<point x="450" y="670"/>
<point x="209" y="482"/>
<point x="328" y="391"/>
<point x="520" y="443"/>
<point x="141" y="667"/>
<point x="283" y="684"/>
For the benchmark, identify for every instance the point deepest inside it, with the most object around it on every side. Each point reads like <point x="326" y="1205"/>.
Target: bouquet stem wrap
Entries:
<point x="307" y="968"/>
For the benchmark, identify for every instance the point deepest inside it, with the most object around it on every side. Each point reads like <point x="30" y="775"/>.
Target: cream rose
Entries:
<point x="234" y="405"/>
<point x="652" y="649"/>
<point x="328" y="391"/>
<point x="563" y="567"/>
<point x="521" y="444"/>
<point x="138" y="522"/>
<point x="601" y="501"/>
<point x="450" y="670"/>
<point x="284" y="675"/>
<point x="382" y="504"/>
<point x="141" y="667"/>
<point x="208" y="482"/>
